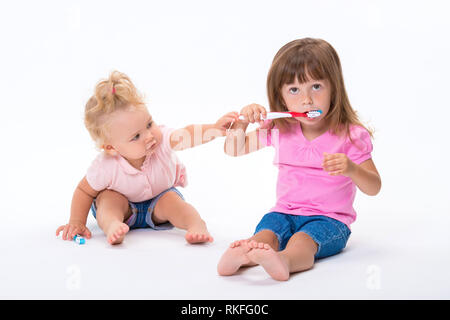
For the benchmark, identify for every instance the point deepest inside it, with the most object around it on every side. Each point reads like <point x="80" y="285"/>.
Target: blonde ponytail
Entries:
<point x="115" y="93"/>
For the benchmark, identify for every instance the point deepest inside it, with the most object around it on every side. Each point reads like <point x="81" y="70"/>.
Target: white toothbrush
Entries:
<point x="278" y="115"/>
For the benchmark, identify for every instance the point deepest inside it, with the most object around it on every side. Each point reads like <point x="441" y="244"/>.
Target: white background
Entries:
<point x="195" y="61"/>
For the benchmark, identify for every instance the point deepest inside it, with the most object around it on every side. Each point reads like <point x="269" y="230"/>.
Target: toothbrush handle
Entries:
<point x="243" y="118"/>
<point x="277" y="115"/>
<point x="271" y="115"/>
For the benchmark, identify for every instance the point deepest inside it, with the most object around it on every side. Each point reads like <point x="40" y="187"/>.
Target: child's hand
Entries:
<point x="338" y="164"/>
<point x="225" y="121"/>
<point x="70" y="230"/>
<point x="252" y="113"/>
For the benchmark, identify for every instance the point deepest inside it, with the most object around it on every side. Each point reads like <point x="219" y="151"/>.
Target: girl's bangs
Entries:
<point x="303" y="69"/>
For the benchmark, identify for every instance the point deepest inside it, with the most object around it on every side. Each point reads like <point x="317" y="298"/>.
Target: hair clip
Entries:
<point x="113" y="90"/>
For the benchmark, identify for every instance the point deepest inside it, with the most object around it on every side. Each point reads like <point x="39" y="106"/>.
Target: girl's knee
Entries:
<point x="111" y="199"/>
<point x="111" y="206"/>
<point x="304" y="242"/>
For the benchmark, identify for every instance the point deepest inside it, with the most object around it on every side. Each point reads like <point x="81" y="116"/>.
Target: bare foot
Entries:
<point x="233" y="258"/>
<point x="198" y="234"/>
<point x="263" y="254"/>
<point x="116" y="232"/>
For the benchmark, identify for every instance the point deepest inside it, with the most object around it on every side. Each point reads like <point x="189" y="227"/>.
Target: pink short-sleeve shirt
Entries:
<point x="303" y="187"/>
<point x="160" y="171"/>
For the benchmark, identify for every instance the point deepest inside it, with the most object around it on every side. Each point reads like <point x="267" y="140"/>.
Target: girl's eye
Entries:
<point x="136" y="137"/>
<point x="316" y="86"/>
<point x="293" y="90"/>
<point x="149" y="125"/>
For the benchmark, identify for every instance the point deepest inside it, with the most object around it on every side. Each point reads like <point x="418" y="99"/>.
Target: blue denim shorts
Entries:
<point x="141" y="213"/>
<point x="329" y="234"/>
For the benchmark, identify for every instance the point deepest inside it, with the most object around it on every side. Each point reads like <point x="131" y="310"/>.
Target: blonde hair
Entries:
<point x="315" y="58"/>
<point x="112" y="94"/>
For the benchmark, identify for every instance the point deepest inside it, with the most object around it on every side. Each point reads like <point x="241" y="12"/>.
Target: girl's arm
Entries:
<point x="364" y="175"/>
<point x="197" y="134"/>
<point x="81" y="203"/>
<point x="238" y="142"/>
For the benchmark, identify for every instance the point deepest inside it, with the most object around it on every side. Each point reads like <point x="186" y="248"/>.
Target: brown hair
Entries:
<point x="311" y="58"/>
<point x="115" y="93"/>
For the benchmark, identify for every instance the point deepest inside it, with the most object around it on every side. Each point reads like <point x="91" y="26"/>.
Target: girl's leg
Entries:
<point x="297" y="256"/>
<point x="300" y="252"/>
<point x="112" y="211"/>
<point x="170" y="207"/>
<point x="236" y="257"/>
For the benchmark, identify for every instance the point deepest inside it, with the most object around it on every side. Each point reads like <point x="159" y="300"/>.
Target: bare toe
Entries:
<point x="117" y="233"/>
<point x="234" y="258"/>
<point x="271" y="261"/>
<point x="197" y="238"/>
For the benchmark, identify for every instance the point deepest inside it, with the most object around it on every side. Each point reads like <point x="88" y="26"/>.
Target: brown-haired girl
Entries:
<point x="132" y="183"/>
<point x="321" y="161"/>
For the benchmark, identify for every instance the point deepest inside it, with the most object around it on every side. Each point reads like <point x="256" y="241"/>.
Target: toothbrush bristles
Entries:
<point x="314" y="114"/>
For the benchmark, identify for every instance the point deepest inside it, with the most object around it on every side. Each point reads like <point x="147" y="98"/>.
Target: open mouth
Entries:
<point x="151" y="146"/>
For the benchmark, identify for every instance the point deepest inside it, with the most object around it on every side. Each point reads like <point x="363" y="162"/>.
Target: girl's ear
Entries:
<point x="109" y="149"/>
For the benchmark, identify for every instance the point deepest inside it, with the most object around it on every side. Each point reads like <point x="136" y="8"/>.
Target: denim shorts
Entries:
<point x="329" y="234"/>
<point x="142" y="212"/>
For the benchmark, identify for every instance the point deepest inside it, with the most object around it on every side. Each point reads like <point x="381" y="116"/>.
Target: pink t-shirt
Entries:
<point x="303" y="187"/>
<point x="159" y="172"/>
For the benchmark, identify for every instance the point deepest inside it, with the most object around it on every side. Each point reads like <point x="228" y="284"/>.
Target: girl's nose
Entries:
<point x="306" y="99"/>
<point x="148" y="137"/>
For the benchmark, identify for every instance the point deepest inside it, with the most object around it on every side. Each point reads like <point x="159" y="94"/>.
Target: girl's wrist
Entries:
<point x="77" y="222"/>
<point x="353" y="170"/>
<point x="240" y="125"/>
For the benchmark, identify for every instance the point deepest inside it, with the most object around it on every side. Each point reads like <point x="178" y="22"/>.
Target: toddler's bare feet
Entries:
<point x="233" y="258"/>
<point x="116" y="232"/>
<point x="198" y="234"/>
<point x="263" y="254"/>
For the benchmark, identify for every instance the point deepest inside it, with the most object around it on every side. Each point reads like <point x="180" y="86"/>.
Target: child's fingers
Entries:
<point x="332" y="162"/>
<point x="248" y="115"/>
<point x="256" y="114"/>
<point x="86" y="233"/>
<point x="244" y="116"/>
<point x="231" y="115"/>
<point x="251" y="117"/>
<point x="223" y="122"/>
<point x="336" y="173"/>
<point x="71" y="232"/>
<point x="263" y="111"/>
<point x="65" y="231"/>
<point x="74" y="231"/>
<point x="330" y="156"/>
<point x="61" y="228"/>
<point x="334" y="168"/>
<point x="252" y="114"/>
<point x="333" y="159"/>
<point x="333" y="165"/>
